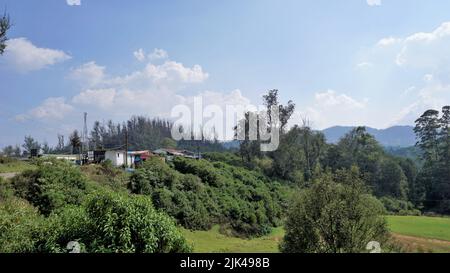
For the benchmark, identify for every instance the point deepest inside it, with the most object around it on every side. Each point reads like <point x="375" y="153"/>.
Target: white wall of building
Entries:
<point x="118" y="158"/>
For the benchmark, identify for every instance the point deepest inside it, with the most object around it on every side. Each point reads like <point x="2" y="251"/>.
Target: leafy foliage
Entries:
<point x="114" y="222"/>
<point x="385" y="175"/>
<point x="432" y="189"/>
<point x="5" y="25"/>
<point x="399" y="207"/>
<point x="335" y="215"/>
<point x="29" y="144"/>
<point x="300" y="152"/>
<point x="143" y="133"/>
<point x="20" y="224"/>
<point x="68" y="207"/>
<point x="51" y="186"/>
<point x="199" y="193"/>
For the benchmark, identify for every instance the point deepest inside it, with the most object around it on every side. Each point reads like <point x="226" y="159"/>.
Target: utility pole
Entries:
<point x="126" y="148"/>
<point x="84" y="141"/>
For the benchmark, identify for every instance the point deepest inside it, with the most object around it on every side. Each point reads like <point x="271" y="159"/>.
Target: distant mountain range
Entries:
<point x="396" y="136"/>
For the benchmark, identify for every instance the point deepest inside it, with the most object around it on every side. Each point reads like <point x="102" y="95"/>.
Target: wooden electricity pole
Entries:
<point x="126" y="148"/>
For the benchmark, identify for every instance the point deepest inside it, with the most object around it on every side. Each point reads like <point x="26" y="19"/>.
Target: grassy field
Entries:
<point x="213" y="241"/>
<point x="419" y="226"/>
<point x="15" y="166"/>
<point x="421" y="234"/>
<point x="415" y="234"/>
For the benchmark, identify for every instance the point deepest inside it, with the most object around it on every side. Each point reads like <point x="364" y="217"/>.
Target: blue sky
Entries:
<point x="352" y="62"/>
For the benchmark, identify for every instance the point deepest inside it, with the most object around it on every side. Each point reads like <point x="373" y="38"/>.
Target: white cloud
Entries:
<point x="412" y="71"/>
<point x="233" y="98"/>
<point x="422" y="49"/>
<point x="428" y="77"/>
<point x="331" y="108"/>
<point x="157" y="54"/>
<point x="88" y="74"/>
<point x="51" y="109"/>
<point x="169" y="74"/>
<point x="103" y="98"/>
<point x="432" y="96"/>
<point x="151" y="91"/>
<point x="331" y="98"/>
<point x="385" y="42"/>
<point x="73" y="2"/>
<point x="373" y="2"/>
<point x="139" y="55"/>
<point x="24" y="56"/>
<point x="364" y="65"/>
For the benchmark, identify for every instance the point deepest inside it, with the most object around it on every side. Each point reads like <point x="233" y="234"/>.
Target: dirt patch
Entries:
<point x="8" y="175"/>
<point x="422" y="245"/>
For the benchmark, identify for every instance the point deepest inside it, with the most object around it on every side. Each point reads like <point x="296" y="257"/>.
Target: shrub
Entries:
<point x="105" y="174"/>
<point x="225" y="157"/>
<point x="114" y="222"/>
<point x="20" y="224"/>
<point x="203" y="169"/>
<point x="399" y="207"/>
<point x="199" y="194"/>
<point x="334" y="217"/>
<point x="6" y="190"/>
<point x="68" y="224"/>
<point x="154" y="173"/>
<point x="51" y="186"/>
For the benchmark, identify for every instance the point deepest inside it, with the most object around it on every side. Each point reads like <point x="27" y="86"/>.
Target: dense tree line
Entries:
<point x="432" y="190"/>
<point x="403" y="183"/>
<point x="143" y="133"/>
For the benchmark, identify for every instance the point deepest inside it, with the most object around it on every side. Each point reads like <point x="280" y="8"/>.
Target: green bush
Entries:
<point x="20" y="224"/>
<point x="399" y="207"/>
<point x="114" y="223"/>
<point x="203" y="169"/>
<point x="334" y="216"/>
<point x="106" y="175"/>
<point x="97" y="215"/>
<point x="154" y="173"/>
<point x="199" y="194"/>
<point x="51" y="186"/>
<point x="6" y="190"/>
<point x="226" y="157"/>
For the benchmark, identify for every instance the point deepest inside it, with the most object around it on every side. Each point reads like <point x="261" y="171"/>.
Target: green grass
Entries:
<point x="420" y="226"/>
<point x="15" y="166"/>
<point x="213" y="241"/>
<point x="423" y="228"/>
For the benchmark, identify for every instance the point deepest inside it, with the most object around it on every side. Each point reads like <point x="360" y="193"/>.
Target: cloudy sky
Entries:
<point x="354" y="62"/>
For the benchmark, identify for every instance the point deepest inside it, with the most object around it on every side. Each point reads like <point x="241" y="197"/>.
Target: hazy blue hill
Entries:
<point x="231" y="145"/>
<point x="396" y="136"/>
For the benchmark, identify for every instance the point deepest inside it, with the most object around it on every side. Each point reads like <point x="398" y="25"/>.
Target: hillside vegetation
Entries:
<point x="45" y="209"/>
<point x="200" y="194"/>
